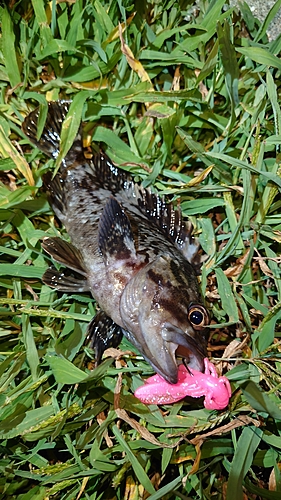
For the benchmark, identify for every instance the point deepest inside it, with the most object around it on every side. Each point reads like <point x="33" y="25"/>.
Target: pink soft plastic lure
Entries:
<point x="192" y="383"/>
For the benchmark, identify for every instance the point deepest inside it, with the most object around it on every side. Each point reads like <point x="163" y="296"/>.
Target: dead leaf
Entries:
<point x="117" y="391"/>
<point x="234" y="348"/>
<point x="101" y="417"/>
<point x="145" y="434"/>
<point x="200" y="177"/>
<point x="212" y="295"/>
<point x="180" y="459"/>
<point x="112" y="352"/>
<point x="32" y="292"/>
<point x="237" y="422"/>
<point x="131" y="489"/>
<point x="196" y="462"/>
<point x="8" y="150"/>
<point x="82" y="489"/>
<point x="176" y="79"/>
<point x="237" y="269"/>
<point x="132" y="61"/>
<point x="272" y="481"/>
<point x="264" y="267"/>
<point x="115" y="32"/>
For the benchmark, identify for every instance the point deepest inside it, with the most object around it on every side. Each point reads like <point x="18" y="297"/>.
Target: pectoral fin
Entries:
<point x="116" y="241"/>
<point x="64" y="253"/>
<point x="102" y="334"/>
<point x="65" y="281"/>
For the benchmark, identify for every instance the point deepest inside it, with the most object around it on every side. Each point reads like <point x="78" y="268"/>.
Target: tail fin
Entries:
<point x="49" y="142"/>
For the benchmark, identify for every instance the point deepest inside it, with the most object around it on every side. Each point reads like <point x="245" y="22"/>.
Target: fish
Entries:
<point x="129" y="247"/>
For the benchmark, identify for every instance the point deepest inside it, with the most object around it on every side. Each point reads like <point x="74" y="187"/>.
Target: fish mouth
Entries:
<point x="186" y="357"/>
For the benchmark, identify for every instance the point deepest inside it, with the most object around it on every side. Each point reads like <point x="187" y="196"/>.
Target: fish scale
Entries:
<point x="130" y="248"/>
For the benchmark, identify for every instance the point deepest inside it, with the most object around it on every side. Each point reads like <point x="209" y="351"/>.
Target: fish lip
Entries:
<point x="182" y="345"/>
<point x="170" y="373"/>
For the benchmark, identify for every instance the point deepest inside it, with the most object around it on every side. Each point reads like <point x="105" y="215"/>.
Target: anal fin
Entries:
<point x="64" y="253"/>
<point x="102" y="334"/>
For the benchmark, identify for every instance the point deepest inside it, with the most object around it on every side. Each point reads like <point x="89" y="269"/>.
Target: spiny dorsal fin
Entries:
<point x="116" y="240"/>
<point x="102" y="334"/>
<point x="64" y="253"/>
<point x="164" y="215"/>
<point x="169" y="220"/>
<point x="108" y="175"/>
<point x="155" y="208"/>
<point x="65" y="281"/>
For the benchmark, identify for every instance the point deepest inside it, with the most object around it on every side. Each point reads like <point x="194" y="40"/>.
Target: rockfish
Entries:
<point x="130" y="248"/>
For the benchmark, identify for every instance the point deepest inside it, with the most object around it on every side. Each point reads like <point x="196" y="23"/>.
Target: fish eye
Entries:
<point x="198" y="317"/>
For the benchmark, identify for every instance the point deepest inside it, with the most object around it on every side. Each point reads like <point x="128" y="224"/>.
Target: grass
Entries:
<point x="187" y="99"/>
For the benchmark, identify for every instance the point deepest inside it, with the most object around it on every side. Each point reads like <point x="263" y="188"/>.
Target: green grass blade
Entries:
<point x="242" y="164"/>
<point x="21" y="422"/>
<point x="197" y="207"/>
<point x="30" y="346"/>
<point x="21" y="271"/>
<point x="9" y="49"/>
<point x="210" y="63"/>
<point x="229" y="62"/>
<point x="226" y="296"/>
<point x="168" y="488"/>
<point x="272" y="94"/>
<point x="261" y="56"/>
<point x="270" y="16"/>
<point x="242" y="461"/>
<point x="71" y="125"/>
<point x="64" y="371"/>
<point x="260" y="401"/>
<point x="41" y="17"/>
<point x="139" y="471"/>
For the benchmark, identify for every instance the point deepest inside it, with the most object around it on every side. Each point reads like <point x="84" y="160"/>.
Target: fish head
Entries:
<point x="164" y="316"/>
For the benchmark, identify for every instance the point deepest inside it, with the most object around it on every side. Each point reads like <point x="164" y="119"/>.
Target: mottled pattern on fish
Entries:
<point x="129" y="248"/>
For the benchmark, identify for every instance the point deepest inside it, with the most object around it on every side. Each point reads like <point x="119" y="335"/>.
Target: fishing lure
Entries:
<point x="216" y="390"/>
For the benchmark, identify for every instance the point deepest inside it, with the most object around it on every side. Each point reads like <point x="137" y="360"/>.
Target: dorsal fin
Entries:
<point x="163" y="214"/>
<point x="109" y="176"/>
<point x="155" y="208"/>
<point x="116" y="240"/>
<point x="168" y="219"/>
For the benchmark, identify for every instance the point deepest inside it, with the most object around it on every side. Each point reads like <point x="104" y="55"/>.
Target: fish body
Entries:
<point x="129" y="248"/>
